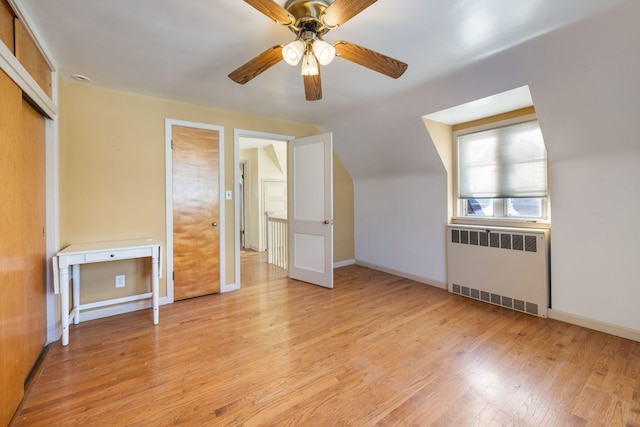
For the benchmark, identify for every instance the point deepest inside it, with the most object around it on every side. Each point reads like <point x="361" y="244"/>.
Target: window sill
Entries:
<point x="503" y="222"/>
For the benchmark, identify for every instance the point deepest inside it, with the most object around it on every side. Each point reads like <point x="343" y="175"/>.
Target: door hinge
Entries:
<point x="173" y="275"/>
<point x="172" y="144"/>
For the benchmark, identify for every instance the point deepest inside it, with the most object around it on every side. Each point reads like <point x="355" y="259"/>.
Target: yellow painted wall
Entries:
<point x="442" y="136"/>
<point x="112" y="176"/>
<point x="344" y="247"/>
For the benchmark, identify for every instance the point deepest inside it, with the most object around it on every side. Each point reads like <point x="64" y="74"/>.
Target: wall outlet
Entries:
<point x="120" y="281"/>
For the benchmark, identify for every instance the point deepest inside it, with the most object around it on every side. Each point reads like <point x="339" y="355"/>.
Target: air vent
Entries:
<point x="516" y="242"/>
<point x="530" y="244"/>
<point x="484" y="238"/>
<point x="518" y="305"/>
<point x="473" y="238"/>
<point x="495" y="299"/>
<point x="505" y="241"/>
<point x="500" y="300"/>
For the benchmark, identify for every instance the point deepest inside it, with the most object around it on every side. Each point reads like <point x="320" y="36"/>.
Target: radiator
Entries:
<point x="503" y="266"/>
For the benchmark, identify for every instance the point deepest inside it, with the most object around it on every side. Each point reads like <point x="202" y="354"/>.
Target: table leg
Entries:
<point x="64" y="303"/>
<point x="76" y="293"/>
<point x="154" y="288"/>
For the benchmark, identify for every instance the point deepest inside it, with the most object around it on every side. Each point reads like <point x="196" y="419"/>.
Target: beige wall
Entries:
<point x="344" y="248"/>
<point x="112" y="176"/>
<point x="250" y="157"/>
<point x="442" y="136"/>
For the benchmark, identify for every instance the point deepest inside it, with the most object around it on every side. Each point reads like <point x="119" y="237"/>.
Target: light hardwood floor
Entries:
<point x="376" y="350"/>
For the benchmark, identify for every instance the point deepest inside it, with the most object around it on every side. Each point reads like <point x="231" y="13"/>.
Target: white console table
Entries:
<point x="75" y="255"/>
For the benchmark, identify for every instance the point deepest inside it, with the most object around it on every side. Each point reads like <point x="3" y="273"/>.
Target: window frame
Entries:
<point x="500" y="206"/>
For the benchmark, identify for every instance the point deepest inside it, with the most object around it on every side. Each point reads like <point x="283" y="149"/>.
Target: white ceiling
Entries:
<point x="184" y="50"/>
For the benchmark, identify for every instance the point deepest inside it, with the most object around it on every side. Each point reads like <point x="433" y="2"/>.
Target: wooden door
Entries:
<point x="33" y="237"/>
<point x="22" y="243"/>
<point x="311" y="209"/>
<point x="196" y="211"/>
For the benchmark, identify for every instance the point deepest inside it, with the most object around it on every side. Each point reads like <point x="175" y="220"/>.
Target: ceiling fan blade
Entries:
<point x="340" y="11"/>
<point x="257" y="65"/>
<point x="370" y="59"/>
<point x="312" y="87"/>
<point x="272" y="10"/>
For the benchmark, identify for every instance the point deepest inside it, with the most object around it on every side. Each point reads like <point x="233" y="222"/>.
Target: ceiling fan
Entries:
<point x="310" y="20"/>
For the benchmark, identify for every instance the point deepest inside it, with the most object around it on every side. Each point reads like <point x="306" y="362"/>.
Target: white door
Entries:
<point x="310" y="171"/>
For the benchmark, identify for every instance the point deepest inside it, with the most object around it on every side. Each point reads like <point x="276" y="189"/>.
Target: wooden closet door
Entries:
<point x="196" y="212"/>
<point x="32" y="174"/>
<point x="12" y="300"/>
<point x="22" y="245"/>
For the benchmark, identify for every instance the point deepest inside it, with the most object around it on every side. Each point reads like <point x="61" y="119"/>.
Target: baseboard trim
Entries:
<point x="596" y="325"/>
<point x="229" y="287"/>
<point x="344" y="263"/>
<point x="414" y="277"/>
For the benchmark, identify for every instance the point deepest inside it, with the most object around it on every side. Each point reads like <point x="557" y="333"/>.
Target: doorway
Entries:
<point x="260" y="161"/>
<point x="263" y="168"/>
<point x="310" y="206"/>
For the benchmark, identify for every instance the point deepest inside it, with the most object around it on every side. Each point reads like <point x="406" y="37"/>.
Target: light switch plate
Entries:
<point x="229" y="195"/>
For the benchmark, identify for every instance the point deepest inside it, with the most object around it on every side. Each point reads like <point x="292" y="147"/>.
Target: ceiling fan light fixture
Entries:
<point x="324" y="51"/>
<point x="293" y="52"/>
<point x="310" y="20"/>
<point x="309" y="65"/>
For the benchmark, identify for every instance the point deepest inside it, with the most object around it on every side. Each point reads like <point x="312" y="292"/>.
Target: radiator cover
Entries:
<point x="508" y="267"/>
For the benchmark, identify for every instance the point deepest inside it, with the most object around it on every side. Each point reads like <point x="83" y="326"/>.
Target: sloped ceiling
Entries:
<point x="183" y="50"/>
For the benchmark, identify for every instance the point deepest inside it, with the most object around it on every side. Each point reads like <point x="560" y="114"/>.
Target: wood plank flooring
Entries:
<point x="376" y="350"/>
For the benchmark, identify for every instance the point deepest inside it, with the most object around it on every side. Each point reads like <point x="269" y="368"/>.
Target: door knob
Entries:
<point x="215" y="224"/>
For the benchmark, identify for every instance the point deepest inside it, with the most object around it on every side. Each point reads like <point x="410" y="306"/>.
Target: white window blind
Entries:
<point x="505" y="162"/>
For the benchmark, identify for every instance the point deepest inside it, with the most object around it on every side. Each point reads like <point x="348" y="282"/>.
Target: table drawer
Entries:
<point x="111" y="255"/>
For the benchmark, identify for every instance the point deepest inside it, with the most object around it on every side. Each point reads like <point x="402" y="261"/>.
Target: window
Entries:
<point x="502" y="172"/>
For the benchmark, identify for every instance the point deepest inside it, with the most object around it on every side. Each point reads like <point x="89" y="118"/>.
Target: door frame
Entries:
<point x="237" y="134"/>
<point x="168" y="123"/>
<point x="241" y="196"/>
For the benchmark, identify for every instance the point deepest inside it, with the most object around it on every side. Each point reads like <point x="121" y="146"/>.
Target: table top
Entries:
<point x="84" y="248"/>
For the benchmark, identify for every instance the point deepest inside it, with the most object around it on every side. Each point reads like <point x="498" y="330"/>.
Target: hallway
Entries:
<point x="254" y="269"/>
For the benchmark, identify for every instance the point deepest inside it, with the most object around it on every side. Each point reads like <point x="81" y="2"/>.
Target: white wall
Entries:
<point x="387" y="236"/>
<point x="595" y="241"/>
<point x="584" y="83"/>
<point x="268" y="170"/>
<point x="251" y="189"/>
